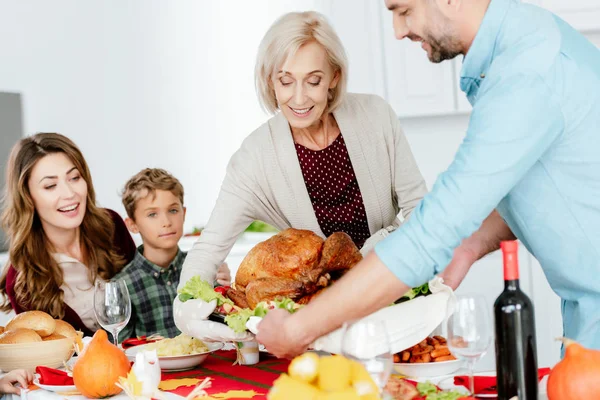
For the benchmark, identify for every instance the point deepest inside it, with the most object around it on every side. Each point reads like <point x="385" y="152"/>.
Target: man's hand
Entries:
<point x="274" y="333"/>
<point x="366" y="288"/>
<point x="485" y="240"/>
<point x="456" y="271"/>
<point x="8" y="381"/>
<point x="224" y="275"/>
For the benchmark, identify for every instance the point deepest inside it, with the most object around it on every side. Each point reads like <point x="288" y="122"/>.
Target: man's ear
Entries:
<point x="450" y="7"/>
<point x="131" y="225"/>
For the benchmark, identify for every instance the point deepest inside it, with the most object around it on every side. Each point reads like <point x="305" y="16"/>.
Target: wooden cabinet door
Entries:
<point x="584" y="15"/>
<point x="358" y="24"/>
<point x="415" y="86"/>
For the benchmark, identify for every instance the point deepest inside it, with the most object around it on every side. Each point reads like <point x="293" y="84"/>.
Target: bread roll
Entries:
<point x="1" y="330"/>
<point x="19" y="335"/>
<point x="39" y="321"/>
<point x="54" y="336"/>
<point x="65" y="329"/>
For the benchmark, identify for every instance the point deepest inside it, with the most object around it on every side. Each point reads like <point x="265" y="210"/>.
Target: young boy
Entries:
<point x="153" y="200"/>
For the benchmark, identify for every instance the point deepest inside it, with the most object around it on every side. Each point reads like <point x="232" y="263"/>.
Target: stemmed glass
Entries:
<point x="368" y="343"/>
<point x="112" y="306"/>
<point x="470" y="331"/>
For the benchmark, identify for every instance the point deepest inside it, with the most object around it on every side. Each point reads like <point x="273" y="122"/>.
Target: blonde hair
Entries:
<point x="39" y="277"/>
<point x="147" y="182"/>
<point x="283" y="39"/>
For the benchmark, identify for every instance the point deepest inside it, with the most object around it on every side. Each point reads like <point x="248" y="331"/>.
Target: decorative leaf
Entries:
<point x="172" y="384"/>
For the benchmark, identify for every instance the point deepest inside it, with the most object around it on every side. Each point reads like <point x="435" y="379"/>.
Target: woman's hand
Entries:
<point x="224" y="275"/>
<point x="8" y="381"/>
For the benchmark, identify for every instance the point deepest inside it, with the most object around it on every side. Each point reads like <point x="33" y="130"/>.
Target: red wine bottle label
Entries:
<point x="510" y="251"/>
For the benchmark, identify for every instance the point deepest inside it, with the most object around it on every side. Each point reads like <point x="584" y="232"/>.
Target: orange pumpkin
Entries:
<point x="575" y="377"/>
<point x="99" y="368"/>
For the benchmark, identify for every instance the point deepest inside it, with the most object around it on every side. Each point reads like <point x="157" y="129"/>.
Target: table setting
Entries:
<point x="424" y="346"/>
<point x="378" y="343"/>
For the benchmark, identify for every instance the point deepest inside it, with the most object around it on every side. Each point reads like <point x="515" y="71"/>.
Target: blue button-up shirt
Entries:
<point x="532" y="151"/>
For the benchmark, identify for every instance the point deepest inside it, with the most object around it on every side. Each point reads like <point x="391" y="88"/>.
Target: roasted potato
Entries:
<point x="432" y="349"/>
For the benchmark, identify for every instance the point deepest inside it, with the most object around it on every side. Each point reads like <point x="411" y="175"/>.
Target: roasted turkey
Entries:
<point x="295" y="263"/>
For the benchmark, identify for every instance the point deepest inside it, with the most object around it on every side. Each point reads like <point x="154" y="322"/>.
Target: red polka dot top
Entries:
<point x="334" y="191"/>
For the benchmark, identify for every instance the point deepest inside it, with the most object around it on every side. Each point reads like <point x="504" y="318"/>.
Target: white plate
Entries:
<point x="177" y="363"/>
<point x="430" y="369"/>
<point x="53" y="388"/>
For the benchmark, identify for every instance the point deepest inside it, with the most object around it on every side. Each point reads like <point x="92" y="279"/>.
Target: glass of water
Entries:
<point x="470" y="331"/>
<point x="112" y="306"/>
<point x="368" y="343"/>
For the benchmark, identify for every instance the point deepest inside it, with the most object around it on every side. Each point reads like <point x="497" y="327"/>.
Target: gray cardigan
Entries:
<point x="264" y="181"/>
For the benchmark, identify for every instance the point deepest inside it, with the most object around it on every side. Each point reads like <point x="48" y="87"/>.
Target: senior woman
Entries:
<point x="327" y="160"/>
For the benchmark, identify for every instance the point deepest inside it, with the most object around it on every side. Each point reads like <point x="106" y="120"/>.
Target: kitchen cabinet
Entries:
<point x="415" y="86"/>
<point x="357" y="23"/>
<point x="584" y="15"/>
<point x="399" y="71"/>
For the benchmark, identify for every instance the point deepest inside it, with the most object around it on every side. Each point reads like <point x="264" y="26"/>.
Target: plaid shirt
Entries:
<point x="152" y="290"/>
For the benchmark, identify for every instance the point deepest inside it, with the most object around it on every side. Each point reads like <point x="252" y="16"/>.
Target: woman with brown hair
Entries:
<point x="60" y="240"/>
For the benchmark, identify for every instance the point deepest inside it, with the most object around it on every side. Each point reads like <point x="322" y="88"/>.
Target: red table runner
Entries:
<point x="226" y="376"/>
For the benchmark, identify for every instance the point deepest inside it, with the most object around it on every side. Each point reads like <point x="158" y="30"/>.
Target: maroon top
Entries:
<point x="124" y="246"/>
<point x="334" y="191"/>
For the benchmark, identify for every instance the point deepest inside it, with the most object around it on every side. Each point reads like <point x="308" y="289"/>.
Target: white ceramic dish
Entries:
<point x="177" y="363"/>
<point x="430" y="369"/>
<point x="53" y="388"/>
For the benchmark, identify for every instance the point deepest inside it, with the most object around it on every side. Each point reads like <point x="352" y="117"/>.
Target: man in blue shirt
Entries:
<point x="532" y="153"/>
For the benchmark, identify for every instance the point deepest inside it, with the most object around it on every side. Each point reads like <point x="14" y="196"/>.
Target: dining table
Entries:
<point x="233" y="381"/>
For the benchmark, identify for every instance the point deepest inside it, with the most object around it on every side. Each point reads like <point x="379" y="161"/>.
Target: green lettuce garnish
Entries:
<point x="197" y="288"/>
<point x="422" y="290"/>
<point x="260" y="226"/>
<point x="419" y="290"/>
<point x="430" y="391"/>
<point x="237" y="321"/>
<point x="286" y="304"/>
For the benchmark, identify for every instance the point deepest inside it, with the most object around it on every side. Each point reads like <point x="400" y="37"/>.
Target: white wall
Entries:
<point x="140" y="84"/>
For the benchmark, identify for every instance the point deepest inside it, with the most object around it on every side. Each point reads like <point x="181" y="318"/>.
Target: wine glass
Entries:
<point x="112" y="306"/>
<point x="367" y="342"/>
<point x="470" y="331"/>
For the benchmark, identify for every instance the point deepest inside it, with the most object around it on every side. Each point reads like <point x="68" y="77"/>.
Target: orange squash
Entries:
<point x="575" y="377"/>
<point x="99" y="368"/>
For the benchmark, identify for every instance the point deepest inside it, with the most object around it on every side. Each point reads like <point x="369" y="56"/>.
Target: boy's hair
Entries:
<point x="147" y="182"/>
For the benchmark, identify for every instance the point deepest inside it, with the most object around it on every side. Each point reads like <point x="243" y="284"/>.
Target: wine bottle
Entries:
<point x="516" y="352"/>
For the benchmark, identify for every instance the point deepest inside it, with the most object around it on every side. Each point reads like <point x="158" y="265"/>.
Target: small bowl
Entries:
<point x="427" y="370"/>
<point x="177" y="363"/>
<point x="52" y="354"/>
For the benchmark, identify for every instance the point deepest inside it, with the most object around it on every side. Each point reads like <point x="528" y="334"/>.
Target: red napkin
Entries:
<point x="137" y="341"/>
<point x="487" y="384"/>
<point x="53" y="377"/>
